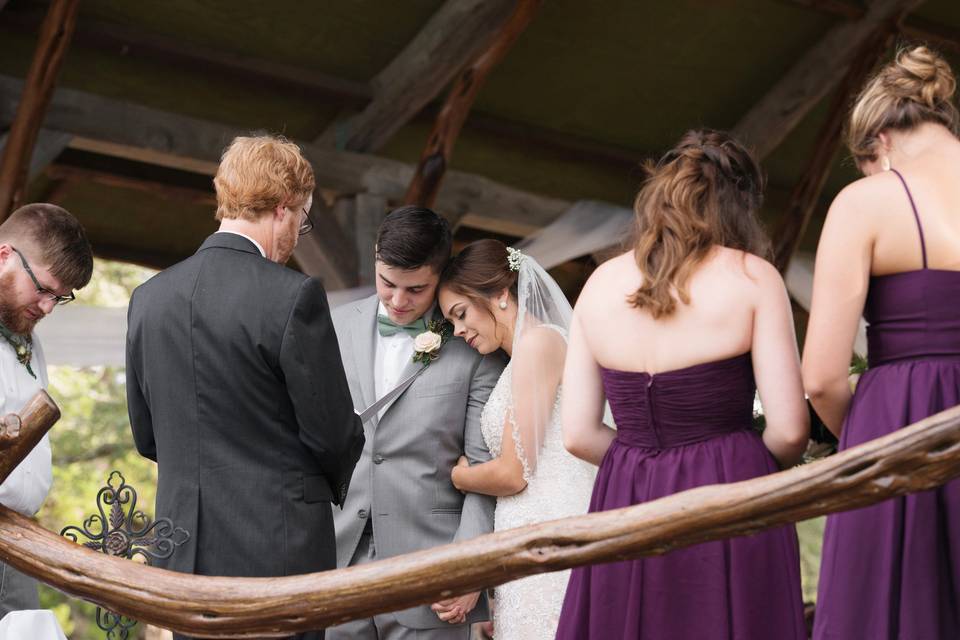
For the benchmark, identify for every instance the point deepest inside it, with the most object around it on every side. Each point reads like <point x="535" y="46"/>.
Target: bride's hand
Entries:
<point x="461" y="463"/>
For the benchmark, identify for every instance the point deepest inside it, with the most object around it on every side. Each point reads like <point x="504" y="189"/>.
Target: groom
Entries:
<point x="401" y="498"/>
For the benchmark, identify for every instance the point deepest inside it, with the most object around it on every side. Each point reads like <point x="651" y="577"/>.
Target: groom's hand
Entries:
<point x="455" y="610"/>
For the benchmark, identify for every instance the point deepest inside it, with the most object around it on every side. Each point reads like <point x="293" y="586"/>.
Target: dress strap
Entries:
<point x="916" y="215"/>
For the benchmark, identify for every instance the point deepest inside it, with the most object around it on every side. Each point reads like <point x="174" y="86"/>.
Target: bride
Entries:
<point x="497" y="298"/>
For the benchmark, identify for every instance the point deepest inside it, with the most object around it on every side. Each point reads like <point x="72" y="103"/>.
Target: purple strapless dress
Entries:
<point x="892" y="570"/>
<point x="678" y="430"/>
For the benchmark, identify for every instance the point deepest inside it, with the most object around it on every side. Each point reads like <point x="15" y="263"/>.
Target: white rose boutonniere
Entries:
<point x="427" y="345"/>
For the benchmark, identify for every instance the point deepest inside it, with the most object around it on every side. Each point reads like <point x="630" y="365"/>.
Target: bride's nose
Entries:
<point x="459" y="330"/>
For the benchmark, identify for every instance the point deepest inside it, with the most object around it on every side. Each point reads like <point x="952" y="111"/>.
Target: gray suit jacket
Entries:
<point x="402" y="480"/>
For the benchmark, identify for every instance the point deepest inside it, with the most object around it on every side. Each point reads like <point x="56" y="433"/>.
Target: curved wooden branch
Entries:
<point x="19" y="434"/>
<point x="433" y="163"/>
<point x="916" y="458"/>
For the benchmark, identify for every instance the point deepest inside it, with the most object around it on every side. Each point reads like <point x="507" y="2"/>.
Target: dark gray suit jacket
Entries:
<point x="235" y="387"/>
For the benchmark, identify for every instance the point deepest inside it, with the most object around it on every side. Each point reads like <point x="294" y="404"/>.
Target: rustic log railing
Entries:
<point x="916" y="458"/>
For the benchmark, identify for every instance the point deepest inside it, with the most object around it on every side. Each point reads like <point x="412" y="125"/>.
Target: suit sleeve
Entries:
<point x="477" y="515"/>
<point x="141" y="423"/>
<point x="317" y="386"/>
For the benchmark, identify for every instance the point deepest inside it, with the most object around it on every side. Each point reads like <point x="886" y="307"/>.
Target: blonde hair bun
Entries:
<point x="921" y="75"/>
<point x="916" y="87"/>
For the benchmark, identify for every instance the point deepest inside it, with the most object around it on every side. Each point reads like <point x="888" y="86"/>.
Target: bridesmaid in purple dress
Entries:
<point x="890" y="249"/>
<point x="678" y="334"/>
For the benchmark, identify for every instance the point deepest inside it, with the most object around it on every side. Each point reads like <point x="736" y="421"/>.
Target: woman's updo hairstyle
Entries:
<point x="917" y="87"/>
<point x="702" y="193"/>
<point x="479" y="272"/>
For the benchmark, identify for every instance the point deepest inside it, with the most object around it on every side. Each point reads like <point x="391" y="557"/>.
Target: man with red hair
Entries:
<point x="235" y="384"/>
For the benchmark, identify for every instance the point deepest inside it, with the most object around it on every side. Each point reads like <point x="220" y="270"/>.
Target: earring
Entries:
<point x="885" y="163"/>
<point x="503" y="304"/>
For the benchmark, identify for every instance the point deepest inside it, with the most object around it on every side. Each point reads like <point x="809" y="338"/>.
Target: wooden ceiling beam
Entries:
<point x="160" y="190"/>
<point x="935" y="35"/>
<point x="446" y="44"/>
<point x="130" y="42"/>
<point x="436" y="156"/>
<point x="914" y="27"/>
<point x="54" y="39"/>
<point x="813" y="76"/>
<point x="142" y="130"/>
<point x="806" y="193"/>
<point x="49" y="145"/>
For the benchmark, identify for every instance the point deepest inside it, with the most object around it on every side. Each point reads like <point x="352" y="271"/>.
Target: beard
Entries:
<point x="12" y="316"/>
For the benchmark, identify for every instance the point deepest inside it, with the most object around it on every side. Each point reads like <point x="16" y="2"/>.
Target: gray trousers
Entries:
<point x="17" y="591"/>
<point x="385" y="626"/>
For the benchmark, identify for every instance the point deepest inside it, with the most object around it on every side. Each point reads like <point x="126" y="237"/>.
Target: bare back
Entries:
<point x="738" y="304"/>
<point x="717" y="324"/>
<point x="892" y="231"/>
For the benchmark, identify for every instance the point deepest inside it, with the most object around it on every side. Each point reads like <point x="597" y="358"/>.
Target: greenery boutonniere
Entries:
<point x="22" y="346"/>
<point x="427" y="345"/>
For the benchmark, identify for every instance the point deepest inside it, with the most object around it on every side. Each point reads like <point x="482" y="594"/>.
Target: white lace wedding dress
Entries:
<point x="560" y="486"/>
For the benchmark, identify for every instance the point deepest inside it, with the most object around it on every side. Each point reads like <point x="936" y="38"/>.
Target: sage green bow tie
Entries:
<point x="388" y="327"/>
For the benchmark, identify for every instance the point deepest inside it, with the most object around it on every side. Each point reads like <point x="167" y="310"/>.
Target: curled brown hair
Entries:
<point x="703" y="192"/>
<point x="479" y="272"/>
<point x="917" y="87"/>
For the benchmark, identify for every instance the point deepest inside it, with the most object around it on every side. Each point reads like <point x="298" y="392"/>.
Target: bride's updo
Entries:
<point x="917" y="87"/>
<point x="479" y="272"/>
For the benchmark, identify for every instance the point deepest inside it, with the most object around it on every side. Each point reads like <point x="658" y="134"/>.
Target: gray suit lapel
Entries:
<point x="364" y="348"/>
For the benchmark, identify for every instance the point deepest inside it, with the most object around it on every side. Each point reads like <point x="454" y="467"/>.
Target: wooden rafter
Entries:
<point x="913" y="27"/>
<point x="52" y="45"/>
<point x="806" y="193"/>
<point x="449" y="40"/>
<point x="436" y="156"/>
<point x="812" y="77"/>
<point x="328" y="252"/>
<point x="916" y="458"/>
<point x="49" y="145"/>
<point x="160" y="190"/>
<point x="157" y="134"/>
<point x="255" y="72"/>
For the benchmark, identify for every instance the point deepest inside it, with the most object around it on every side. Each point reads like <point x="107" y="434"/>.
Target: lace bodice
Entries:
<point x="559" y="486"/>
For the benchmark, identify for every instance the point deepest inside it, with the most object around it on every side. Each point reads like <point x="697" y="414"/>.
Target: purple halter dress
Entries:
<point x="678" y="430"/>
<point x="892" y="570"/>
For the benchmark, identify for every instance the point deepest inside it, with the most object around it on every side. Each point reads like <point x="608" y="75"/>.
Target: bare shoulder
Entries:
<point x="755" y="277"/>
<point x="864" y="202"/>
<point x="541" y="344"/>
<point x="608" y="276"/>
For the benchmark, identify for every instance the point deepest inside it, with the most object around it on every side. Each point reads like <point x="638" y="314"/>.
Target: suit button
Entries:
<point x="377" y="459"/>
<point x="362" y="514"/>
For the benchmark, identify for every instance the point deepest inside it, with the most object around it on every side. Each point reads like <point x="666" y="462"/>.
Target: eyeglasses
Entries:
<point x="307" y="225"/>
<point x="50" y="295"/>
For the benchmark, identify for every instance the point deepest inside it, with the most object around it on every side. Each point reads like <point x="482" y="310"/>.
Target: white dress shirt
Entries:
<point x="393" y="354"/>
<point x="26" y="488"/>
<point x="243" y="235"/>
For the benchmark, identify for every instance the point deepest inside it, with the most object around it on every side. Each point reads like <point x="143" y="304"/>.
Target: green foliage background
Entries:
<point x="91" y="439"/>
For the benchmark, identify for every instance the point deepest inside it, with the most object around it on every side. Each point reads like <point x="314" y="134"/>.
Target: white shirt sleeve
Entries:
<point x="26" y="488"/>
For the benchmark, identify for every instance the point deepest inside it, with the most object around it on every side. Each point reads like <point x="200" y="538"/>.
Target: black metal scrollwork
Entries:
<point x="119" y="529"/>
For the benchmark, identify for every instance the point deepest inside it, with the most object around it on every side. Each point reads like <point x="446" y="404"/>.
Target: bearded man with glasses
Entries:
<point x="44" y="256"/>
